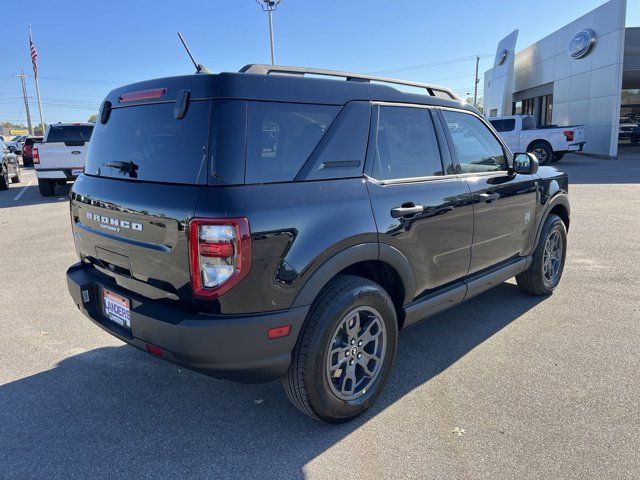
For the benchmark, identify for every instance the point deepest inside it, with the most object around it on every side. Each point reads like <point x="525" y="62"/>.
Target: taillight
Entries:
<point x="220" y="255"/>
<point x="569" y="135"/>
<point x="35" y="155"/>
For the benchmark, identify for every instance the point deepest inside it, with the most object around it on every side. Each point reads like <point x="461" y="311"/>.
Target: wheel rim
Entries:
<point x="552" y="258"/>
<point x="541" y="154"/>
<point x="356" y="353"/>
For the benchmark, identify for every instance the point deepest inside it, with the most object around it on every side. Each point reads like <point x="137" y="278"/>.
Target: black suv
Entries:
<point x="275" y="224"/>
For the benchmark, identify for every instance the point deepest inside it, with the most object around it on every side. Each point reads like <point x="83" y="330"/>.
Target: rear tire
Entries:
<point x="4" y="178"/>
<point x="545" y="272"/>
<point x="345" y="351"/>
<point x="542" y="151"/>
<point x="47" y="187"/>
<point x="16" y="178"/>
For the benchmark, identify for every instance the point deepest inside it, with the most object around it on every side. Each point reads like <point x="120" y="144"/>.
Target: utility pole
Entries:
<point x="270" y="6"/>
<point x="475" y="86"/>
<point x="22" y="76"/>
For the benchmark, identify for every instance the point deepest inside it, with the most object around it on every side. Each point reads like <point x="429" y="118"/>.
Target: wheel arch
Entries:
<point x="557" y="205"/>
<point x="380" y="263"/>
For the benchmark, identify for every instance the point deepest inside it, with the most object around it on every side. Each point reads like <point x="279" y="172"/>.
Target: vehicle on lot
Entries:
<point x="27" y="150"/>
<point x="61" y="155"/>
<point x="548" y="143"/>
<point x="634" y="137"/>
<point x="9" y="167"/>
<point x="16" y="143"/>
<point x="627" y="126"/>
<point x="272" y="224"/>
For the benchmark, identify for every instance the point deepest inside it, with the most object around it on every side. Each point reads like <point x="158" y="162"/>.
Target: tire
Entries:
<point x="557" y="157"/>
<point x="309" y="383"/>
<point x="542" y="150"/>
<point x="4" y="178"/>
<point x="16" y="179"/>
<point x="537" y="280"/>
<point x="46" y="187"/>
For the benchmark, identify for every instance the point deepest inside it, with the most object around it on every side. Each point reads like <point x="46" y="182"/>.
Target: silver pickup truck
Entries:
<point x="548" y="143"/>
<point x="60" y="157"/>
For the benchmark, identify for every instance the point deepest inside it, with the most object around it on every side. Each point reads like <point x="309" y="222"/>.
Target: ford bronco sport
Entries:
<point x="273" y="224"/>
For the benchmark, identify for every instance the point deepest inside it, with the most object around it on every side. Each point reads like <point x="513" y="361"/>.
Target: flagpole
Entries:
<point x="35" y="76"/>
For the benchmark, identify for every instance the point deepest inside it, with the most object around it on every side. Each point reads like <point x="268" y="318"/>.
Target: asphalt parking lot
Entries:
<point x="505" y="386"/>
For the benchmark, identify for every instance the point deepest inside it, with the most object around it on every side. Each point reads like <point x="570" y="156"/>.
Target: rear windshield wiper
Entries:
<point x="128" y="168"/>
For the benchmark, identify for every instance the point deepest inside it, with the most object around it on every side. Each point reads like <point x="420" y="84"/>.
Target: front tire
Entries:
<point x="544" y="274"/>
<point x="345" y="351"/>
<point x="16" y="178"/>
<point x="542" y="151"/>
<point x="46" y="187"/>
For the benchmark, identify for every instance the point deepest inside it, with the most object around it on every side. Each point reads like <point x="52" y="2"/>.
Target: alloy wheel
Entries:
<point x="356" y="353"/>
<point x="552" y="258"/>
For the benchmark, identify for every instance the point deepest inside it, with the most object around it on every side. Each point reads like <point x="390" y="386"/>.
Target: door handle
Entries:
<point x="406" y="210"/>
<point x="489" y="197"/>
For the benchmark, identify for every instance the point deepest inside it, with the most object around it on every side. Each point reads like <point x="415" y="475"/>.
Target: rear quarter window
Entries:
<point x="281" y="137"/>
<point x="506" y="125"/>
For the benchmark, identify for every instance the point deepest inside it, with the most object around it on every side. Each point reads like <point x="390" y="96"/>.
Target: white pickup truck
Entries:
<point x="548" y="143"/>
<point x="61" y="155"/>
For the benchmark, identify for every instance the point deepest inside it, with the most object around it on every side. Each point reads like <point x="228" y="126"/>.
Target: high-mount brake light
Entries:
<point x="35" y="155"/>
<point x="219" y="255"/>
<point x="142" y="95"/>
<point x="569" y="135"/>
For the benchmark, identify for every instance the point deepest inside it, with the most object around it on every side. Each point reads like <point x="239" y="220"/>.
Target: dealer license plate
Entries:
<point x="116" y="308"/>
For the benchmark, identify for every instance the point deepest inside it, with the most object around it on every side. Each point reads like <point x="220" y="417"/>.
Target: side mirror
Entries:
<point x="525" y="163"/>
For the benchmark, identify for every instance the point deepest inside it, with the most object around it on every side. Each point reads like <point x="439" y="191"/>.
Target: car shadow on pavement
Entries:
<point x="119" y="412"/>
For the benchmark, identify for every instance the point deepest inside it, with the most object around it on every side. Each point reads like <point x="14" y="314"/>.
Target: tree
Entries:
<point x="93" y="118"/>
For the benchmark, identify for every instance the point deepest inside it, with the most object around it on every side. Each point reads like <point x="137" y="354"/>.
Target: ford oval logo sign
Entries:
<point x="581" y="43"/>
<point x="501" y="57"/>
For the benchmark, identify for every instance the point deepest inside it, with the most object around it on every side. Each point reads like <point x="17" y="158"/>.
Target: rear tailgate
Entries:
<point x="144" y="174"/>
<point x="579" y="135"/>
<point x="65" y="147"/>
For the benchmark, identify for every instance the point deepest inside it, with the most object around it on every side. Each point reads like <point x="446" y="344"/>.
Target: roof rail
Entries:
<point x="433" y="90"/>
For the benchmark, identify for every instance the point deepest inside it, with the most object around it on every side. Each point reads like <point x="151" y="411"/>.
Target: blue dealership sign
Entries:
<point x="581" y="43"/>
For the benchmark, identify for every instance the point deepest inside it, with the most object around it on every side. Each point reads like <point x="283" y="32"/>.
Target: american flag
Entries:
<point x="34" y="55"/>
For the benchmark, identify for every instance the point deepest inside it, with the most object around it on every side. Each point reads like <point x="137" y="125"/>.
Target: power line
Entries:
<point x="434" y="64"/>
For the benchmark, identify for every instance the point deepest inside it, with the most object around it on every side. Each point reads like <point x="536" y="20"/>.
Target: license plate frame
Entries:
<point x="116" y="308"/>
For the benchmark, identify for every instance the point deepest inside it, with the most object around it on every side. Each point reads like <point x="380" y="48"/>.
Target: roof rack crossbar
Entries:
<point x="349" y="76"/>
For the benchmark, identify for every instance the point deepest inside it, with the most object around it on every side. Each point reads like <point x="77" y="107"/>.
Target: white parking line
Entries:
<point x="21" y="192"/>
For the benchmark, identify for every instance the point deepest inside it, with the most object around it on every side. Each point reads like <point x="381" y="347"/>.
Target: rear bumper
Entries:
<point x="576" y="147"/>
<point x="56" y="173"/>
<point x="222" y="346"/>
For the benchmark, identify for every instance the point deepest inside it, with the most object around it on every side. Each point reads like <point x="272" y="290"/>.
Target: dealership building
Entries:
<point x="586" y="73"/>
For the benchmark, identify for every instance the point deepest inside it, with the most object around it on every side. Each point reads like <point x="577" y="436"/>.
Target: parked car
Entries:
<point x="271" y="224"/>
<point x="9" y="167"/>
<point x="627" y="126"/>
<point x="27" y="150"/>
<point x="548" y="144"/>
<point x="634" y="137"/>
<point x="16" y="144"/>
<point x="60" y="157"/>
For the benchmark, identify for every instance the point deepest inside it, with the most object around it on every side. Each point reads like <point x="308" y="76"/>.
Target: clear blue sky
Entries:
<point x="88" y="47"/>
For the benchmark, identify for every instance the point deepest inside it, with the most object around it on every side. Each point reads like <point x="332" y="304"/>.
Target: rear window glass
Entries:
<point x="281" y="137"/>
<point x="148" y="143"/>
<point x="506" y="125"/>
<point x="69" y="133"/>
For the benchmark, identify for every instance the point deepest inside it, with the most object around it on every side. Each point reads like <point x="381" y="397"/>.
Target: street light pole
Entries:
<point x="270" y="6"/>
<point x="475" y="84"/>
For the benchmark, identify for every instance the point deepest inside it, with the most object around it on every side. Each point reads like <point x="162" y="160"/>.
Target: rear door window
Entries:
<point x="505" y="125"/>
<point x="147" y="143"/>
<point x="69" y="133"/>
<point x="281" y="137"/>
